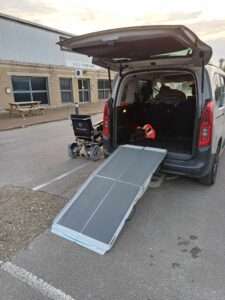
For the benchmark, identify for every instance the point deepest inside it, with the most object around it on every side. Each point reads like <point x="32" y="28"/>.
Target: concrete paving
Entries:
<point x="173" y="248"/>
<point x="51" y="114"/>
<point x="34" y="155"/>
<point x="13" y="289"/>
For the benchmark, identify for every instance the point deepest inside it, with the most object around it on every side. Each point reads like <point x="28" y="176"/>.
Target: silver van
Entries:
<point x="164" y="79"/>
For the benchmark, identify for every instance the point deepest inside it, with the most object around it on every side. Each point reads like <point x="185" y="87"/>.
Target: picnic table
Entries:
<point x="25" y="107"/>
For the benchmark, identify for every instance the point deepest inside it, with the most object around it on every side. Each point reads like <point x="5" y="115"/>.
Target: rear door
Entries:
<point x="144" y="46"/>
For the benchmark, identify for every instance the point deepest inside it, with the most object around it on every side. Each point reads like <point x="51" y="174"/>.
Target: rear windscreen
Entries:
<point x="159" y="88"/>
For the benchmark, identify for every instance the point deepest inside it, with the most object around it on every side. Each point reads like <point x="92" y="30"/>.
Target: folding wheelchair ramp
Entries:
<point x="96" y="214"/>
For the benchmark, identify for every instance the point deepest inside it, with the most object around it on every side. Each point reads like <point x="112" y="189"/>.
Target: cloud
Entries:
<point x="26" y="5"/>
<point x="87" y="15"/>
<point x="79" y="17"/>
<point x="171" y="17"/>
<point x="110" y="18"/>
<point x="97" y="19"/>
<point x="27" y="9"/>
<point x="210" y="29"/>
<point x="218" y="46"/>
<point x="93" y="16"/>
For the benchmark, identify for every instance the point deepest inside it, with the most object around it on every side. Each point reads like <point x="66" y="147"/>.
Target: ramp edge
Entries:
<point x="80" y="239"/>
<point x="86" y="241"/>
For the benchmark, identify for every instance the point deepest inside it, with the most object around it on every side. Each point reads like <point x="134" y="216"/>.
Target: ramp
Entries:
<point x="96" y="214"/>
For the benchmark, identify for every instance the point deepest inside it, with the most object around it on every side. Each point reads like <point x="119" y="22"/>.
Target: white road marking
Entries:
<point x="59" y="177"/>
<point x="36" y="283"/>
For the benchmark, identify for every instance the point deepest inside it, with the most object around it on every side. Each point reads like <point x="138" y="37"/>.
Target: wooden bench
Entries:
<point x="25" y="107"/>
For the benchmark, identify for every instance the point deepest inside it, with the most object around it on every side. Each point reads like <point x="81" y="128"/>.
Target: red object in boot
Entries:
<point x="149" y="131"/>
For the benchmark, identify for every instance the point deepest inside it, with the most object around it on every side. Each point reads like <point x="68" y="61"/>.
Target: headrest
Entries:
<point x="170" y="96"/>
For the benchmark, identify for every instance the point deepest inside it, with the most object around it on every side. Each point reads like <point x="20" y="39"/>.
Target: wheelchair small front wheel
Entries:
<point x="73" y="150"/>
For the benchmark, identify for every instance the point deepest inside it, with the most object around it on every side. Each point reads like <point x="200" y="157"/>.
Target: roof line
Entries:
<point x="33" y="24"/>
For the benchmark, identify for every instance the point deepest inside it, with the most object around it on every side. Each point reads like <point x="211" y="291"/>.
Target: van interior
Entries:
<point x="166" y="101"/>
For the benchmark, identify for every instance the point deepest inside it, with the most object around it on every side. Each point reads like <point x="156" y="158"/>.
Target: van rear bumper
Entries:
<point x="196" y="167"/>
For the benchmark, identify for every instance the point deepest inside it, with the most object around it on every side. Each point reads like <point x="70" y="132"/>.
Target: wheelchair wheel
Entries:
<point x="95" y="152"/>
<point x="73" y="150"/>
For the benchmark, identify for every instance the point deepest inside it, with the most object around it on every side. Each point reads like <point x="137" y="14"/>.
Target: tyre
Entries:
<point x="73" y="150"/>
<point x="95" y="152"/>
<point x="210" y="178"/>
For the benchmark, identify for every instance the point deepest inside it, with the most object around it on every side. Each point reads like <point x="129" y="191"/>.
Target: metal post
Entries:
<point x="110" y="82"/>
<point x="77" y="108"/>
<point x="221" y="61"/>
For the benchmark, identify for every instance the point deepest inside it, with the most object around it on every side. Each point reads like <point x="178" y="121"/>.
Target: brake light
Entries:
<point x="106" y="120"/>
<point x="206" y="126"/>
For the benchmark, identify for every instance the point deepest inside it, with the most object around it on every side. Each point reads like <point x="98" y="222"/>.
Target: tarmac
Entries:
<point x="172" y="248"/>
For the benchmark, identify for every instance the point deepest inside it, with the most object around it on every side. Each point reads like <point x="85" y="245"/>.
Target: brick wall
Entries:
<point x="53" y="74"/>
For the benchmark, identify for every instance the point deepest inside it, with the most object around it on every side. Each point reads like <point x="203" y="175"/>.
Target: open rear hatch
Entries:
<point x="144" y="46"/>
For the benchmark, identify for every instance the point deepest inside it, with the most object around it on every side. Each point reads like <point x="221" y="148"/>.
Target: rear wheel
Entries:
<point x="95" y="152"/>
<point x="73" y="150"/>
<point x="210" y="178"/>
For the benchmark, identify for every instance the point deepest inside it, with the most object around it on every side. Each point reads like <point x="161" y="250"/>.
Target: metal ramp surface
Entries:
<point x="96" y="214"/>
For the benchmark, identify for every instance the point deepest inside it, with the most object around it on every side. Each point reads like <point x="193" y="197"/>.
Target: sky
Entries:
<point x="205" y="17"/>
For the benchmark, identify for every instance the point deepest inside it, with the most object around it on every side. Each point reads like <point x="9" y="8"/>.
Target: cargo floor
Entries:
<point x="180" y="145"/>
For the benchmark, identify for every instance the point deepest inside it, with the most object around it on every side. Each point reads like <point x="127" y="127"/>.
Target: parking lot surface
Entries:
<point x="173" y="247"/>
<point x="36" y="155"/>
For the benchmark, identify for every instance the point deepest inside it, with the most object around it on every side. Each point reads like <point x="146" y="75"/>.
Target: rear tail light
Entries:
<point x="106" y="120"/>
<point x="206" y="126"/>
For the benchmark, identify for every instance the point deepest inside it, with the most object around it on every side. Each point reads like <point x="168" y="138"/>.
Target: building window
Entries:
<point x="84" y="90"/>
<point x="30" y="89"/>
<point x="103" y="89"/>
<point x="66" y="90"/>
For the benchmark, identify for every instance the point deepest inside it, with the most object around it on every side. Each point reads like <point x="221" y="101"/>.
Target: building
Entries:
<point x="34" y="67"/>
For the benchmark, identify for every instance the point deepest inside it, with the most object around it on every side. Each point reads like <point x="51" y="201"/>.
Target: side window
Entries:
<point x="141" y="91"/>
<point x="124" y="95"/>
<point x="219" y="89"/>
<point x="128" y="95"/>
<point x="156" y="87"/>
<point x="222" y="96"/>
<point x="186" y="87"/>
